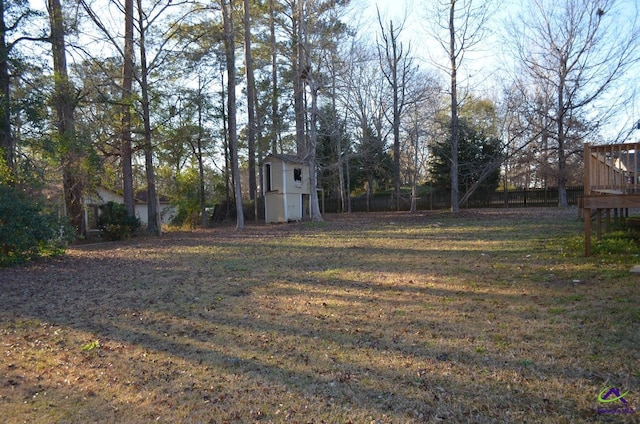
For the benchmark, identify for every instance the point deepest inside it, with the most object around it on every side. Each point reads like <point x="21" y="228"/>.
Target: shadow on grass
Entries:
<point x="419" y="333"/>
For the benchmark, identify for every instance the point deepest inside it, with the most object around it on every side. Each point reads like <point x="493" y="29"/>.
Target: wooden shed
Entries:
<point x="286" y="187"/>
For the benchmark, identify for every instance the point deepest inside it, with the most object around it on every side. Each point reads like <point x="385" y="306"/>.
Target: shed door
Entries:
<point x="267" y="177"/>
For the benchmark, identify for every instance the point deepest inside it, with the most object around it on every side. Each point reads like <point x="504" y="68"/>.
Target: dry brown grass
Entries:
<point x="480" y="317"/>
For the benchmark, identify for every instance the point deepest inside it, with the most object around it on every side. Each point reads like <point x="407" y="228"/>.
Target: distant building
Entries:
<point x="286" y="187"/>
<point x="103" y="195"/>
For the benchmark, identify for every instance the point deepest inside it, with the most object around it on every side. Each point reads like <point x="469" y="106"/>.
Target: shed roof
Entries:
<point x="287" y="158"/>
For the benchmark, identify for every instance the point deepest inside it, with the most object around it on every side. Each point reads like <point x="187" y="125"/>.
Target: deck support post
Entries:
<point x="587" y="231"/>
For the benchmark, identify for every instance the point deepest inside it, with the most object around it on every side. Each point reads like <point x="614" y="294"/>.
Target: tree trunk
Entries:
<point x="6" y="139"/>
<point x="227" y="16"/>
<point x="314" y="207"/>
<point x="454" y="109"/>
<point x="275" y="116"/>
<point x="299" y="75"/>
<point x="396" y="119"/>
<point x="369" y="192"/>
<point x="71" y="154"/>
<point x="394" y="67"/>
<point x="562" y="161"/>
<point x="414" y="185"/>
<point x="153" y="223"/>
<point x="198" y="152"/>
<point x="125" y="122"/>
<point x="341" y="182"/>
<point x="251" y="102"/>
<point x="348" y="186"/>
<point x="226" y="147"/>
<point x="338" y="138"/>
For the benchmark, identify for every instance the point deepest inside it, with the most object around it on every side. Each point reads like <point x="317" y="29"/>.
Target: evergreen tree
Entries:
<point x="477" y="153"/>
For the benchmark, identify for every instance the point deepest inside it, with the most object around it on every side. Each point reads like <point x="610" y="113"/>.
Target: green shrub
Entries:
<point x="115" y="223"/>
<point x="26" y="231"/>
<point x="616" y="243"/>
<point x="187" y="199"/>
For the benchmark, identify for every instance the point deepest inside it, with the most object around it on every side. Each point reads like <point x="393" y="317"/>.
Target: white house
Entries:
<point x="103" y="195"/>
<point x="286" y="187"/>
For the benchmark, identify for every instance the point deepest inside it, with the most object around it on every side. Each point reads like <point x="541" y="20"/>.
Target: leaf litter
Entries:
<point x="392" y="317"/>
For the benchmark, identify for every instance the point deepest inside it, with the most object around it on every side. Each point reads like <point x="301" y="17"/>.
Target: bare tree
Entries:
<point x="335" y="63"/>
<point x="362" y="99"/>
<point x="315" y="41"/>
<point x="424" y="106"/>
<point x="398" y="69"/>
<point x="459" y="26"/>
<point x="573" y="53"/>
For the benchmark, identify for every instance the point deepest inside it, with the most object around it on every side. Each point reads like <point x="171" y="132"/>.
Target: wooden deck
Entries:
<point x="611" y="182"/>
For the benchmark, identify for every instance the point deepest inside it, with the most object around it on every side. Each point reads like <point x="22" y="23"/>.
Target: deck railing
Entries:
<point x="611" y="169"/>
<point x="610" y="182"/>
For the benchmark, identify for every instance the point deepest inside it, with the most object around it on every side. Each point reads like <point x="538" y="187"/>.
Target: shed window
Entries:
<point x="297" y="175"/>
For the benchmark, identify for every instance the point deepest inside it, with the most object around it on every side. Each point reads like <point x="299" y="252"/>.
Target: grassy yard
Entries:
<point x="486" y="316"/>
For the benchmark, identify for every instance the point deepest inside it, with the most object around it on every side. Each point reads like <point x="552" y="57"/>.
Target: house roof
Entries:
<point x="143" y="196"/>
